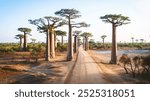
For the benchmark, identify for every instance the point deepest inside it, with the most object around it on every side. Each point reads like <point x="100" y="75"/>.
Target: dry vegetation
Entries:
<point x="125" y="72"/>
<point x="16" y="68"/>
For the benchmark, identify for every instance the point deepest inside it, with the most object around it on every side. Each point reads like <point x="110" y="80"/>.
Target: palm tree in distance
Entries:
<point x="86" y="36"/>
<point x="25" y="31"/>
<point x="103" y="38"/>
<point x="71" y="14"/>
<point x="115" y="20"/>
<point x="20" y="37"/>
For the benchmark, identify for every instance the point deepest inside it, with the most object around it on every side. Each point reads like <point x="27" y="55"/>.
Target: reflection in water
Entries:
<point x="125" y="51"/>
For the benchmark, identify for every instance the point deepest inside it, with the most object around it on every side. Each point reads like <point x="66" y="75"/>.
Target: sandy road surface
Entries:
<point x="86" y="71"/>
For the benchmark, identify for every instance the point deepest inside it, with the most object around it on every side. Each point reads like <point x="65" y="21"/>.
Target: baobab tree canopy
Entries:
<point x="19" y="36"/>
<point x="115" y="19"/>
<point x="76" y="33"/>
<point x="68" y="13"/>
<point x="72" y="14"/>
<point x="25" y="30"/>
<point x="60" y="33"/>
<point x="103" y="36"/>
<point x="47" y="22"/>
<point x="86" y="34"/>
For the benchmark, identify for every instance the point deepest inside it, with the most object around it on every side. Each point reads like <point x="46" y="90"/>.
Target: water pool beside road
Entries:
<point x="124" y="51"/>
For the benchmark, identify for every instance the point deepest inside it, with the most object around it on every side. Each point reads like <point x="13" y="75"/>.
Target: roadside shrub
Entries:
<point x="36" y="47"/>
<point x="125" y="60"/>
<point x="139" y="46"/>
<point x="146" y="63"/>
<point x="137" y="64"/>
<point x="61" y="48"/>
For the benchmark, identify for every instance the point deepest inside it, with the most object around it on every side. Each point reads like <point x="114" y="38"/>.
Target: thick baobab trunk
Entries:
<point x="83" y="43"/>
<point x="47" y="55"/>
<point x="78" y="41"/>
<point x="55" y="41"/>
<point x="132" y="40"/>
<point x="25" y="42"/>
<point x="52" y="44"/>
<point x="21" y="45"/>
<point x="86" y="44"/>
<point x="75" y="44"/>
<point x="62" y="40"/>
<point x="103" y="42"/>
<point x="114" y="46"/>
<point x="69" y="47"/>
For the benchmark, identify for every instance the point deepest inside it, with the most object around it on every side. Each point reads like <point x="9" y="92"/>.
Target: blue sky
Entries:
<point x="15" y="14"/>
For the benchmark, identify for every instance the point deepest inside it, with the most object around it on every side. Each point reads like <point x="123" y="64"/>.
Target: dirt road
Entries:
<point x="86" y="71"/>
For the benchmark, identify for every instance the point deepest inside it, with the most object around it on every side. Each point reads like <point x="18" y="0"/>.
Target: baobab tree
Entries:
<point x="20" y="37"/>
<point x="33" y="40"/>
<point x="136" y="40"/>
<point x="47" y="25"/>
<point x="25" y="31"/>
<point x="71" y="14"/>
<point x="86" y="36"/>
<point x="92" y="44"/>
<point x="62" y="34"/>
<point x="115" y="20"/>
<point x="132" y="39"/>
<point x="76" y="34"/>
<point x="103" y="39"/>
<point x="142" y="40"/>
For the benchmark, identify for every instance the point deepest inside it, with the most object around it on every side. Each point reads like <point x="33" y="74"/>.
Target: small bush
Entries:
<point x="146" y="63"/>
<point x="61" y="48"/>
<point x="136" y="64"/>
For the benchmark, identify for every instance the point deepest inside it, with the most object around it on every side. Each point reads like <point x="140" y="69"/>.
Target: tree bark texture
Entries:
<point x="114" y="46"/>
<point x="25" y="42"/>
<point x="75" y="44"/>
<point x="62" y="40"/>
<point x="52" y="44"/>
<point x="69" y="47"/>
<point x="21" y="45"/>
<point x="47" y="55"/>
<point x="86" y="44"/>
<point x="83" y="43"/>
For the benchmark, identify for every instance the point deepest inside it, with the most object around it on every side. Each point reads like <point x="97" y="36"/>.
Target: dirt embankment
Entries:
<point x="114" y="73"/>
<point x="22" y="72"/>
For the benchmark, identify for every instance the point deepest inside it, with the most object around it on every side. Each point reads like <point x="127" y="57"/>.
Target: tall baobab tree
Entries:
<point x="71" y="14"/>
<point x="142" y="40"/>
<point x="76" y="34"/>
<point x="132" y="39"/>
<point x="62" y="34"/>
<point x="47" y="25"/>
<point x="92" y="43"/>
<point x="136" y="40"/>
<point x="115" y="20"/>
<point x="33" y="40"/>
<point x="25" y="31"/>
<point x="86" y="36"/>
<point x="20" y="37"/>
<point x="103" y="38"/>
